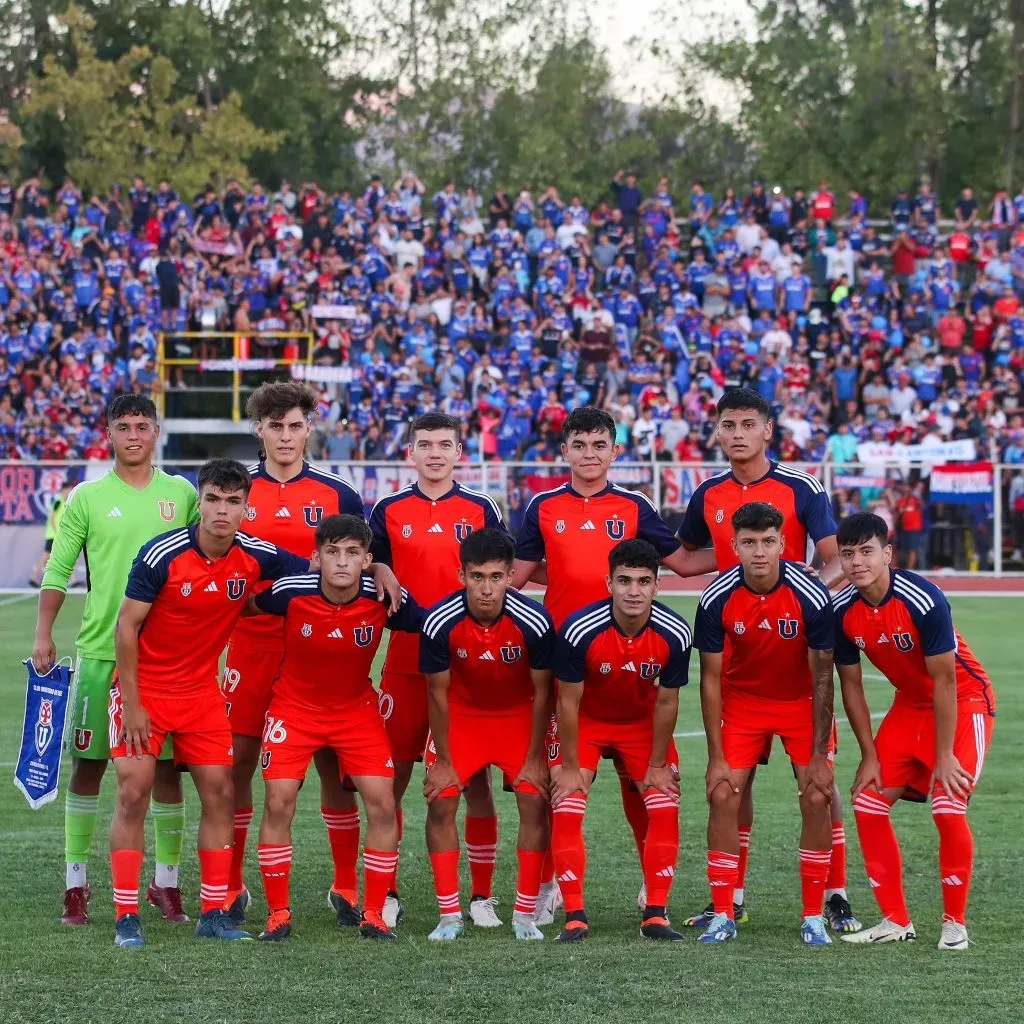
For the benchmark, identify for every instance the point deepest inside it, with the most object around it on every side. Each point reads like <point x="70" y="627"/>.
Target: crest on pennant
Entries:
<point x="606" y="667"/>
<point x="720" y="515"/>
<point x="407" y="531"/>
<point x="560" y="526"/>
<point x="44" y="726"/>
<point x="307" y="629"/>
<point x="186" y="588"/>
<point x="740" y="628"/>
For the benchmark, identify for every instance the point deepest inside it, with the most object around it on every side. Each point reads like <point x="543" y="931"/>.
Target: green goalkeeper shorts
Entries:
<point x="89" y="735"/>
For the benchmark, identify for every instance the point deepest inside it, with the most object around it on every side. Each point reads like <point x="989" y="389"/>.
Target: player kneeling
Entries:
<point x="486" y="652"/>
<point x="333" y="625"/>
<point x="619" y="664"/>
<point x="766" y="633"/>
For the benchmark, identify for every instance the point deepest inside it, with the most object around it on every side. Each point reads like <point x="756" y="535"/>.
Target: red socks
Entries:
<point x="881" y="855"/>
<point x="741" y="879"/>
<point x="343" y="835"/>
<point x="723" y="871"/>
<point x="214" y="869"/>
<point x="445" y="866"/>
<point x="837" y="866"/>
<point x="569" y="851"/>
<point x="378" y="871"/>
<point x="276" y="869"/>
<point x="528" y="880"/>
<point x="125" y="869"/>
<point x="482" y="849"/>
<point x="661" y="847"/>
<point x="243" y="819"/>
<point x="813" y="872"/>
<point x="956" y="853"/>
<point x="636" y="813"/>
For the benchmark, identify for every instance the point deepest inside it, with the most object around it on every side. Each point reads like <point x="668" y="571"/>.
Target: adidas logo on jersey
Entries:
<point x="629" y="667"/>
<point x="588" y="525"/>
<point x="883" y="639"/>
<point x="486" y="656"/>
<point x="114" y="513"/>
<point x="436" y="528"/>
<point x="211" y="587"/>
<point x="336" y="634"/>
<point x="764" y="624"/>
<point x="282" y="513"/>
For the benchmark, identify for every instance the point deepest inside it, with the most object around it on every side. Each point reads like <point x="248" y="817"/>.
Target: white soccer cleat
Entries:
<point x="549" y="899"/>
<point x="954" y="935"/>
<point x="641" y="899"/>
<point x="392" y="911"/>
<point x="884" y="931"/>
<point x="523" y="927"/>
<point x="482" y="913"/>
<point x="448" y="929"/>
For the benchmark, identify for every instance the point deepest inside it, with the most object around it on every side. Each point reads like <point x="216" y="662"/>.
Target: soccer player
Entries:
<point x="568" y="533"/>
<point x="766" y="633"/>
<point x="487" y="653"/>
<point x="184" y="595"/>
<point x="323" y="698"/>
<point x="289" y="497"/>
<point x="933" y="739"/>
<point x="109" y="519"/>
<point x="619" y="664"/>
<point x="417" y="531"/>
<point x="744" y="431"/>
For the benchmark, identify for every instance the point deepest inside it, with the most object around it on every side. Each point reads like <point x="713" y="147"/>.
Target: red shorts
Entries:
<point x="293" y="734"/>
<point x="750" y="725"/>
<point x="403" y="706"/>
<point x="627" y="743"/>
<point x="905" y="745"/>
<point x="476" y="740"/>
<point x="833" y="744"/>
<point x="247" y="683"/>
<point x="198" y="727"/>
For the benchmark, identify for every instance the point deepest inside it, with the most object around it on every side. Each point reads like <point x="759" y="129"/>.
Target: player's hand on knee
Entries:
<point x="819" y="775"/>
<point x="663" y="779"/>
<point x="719" y="772"/>
<point x="568" y="783"/>
<point x="440" y="776"/>
<point x="951" y="777"/>
<point x="535" y="772"/>
<point x="869" y="776"/>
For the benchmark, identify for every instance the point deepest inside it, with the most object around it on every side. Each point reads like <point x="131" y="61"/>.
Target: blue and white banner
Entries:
<point x="42" y="735"/>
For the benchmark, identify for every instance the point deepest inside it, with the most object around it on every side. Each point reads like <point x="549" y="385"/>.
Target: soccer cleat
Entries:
<point x="393" y="911"/>
<point x="839" y="915"/>
<point x="576" y="927"/>
<point x="641" y="899"/>
<point x="347" y="914"/>
<point x="373" y="926"/>
<point x="217" y="924"/>
<point x="704" y="918"/>
<point x="719" y="929"/>
<point x="549" y="899"/>
<point x="814" y="933"/>
<point x="884" y="931"/>
<point x="237" y="906"/>
<point x="524" y="928"/>
<point x="168" y="901"/>
<point x="279" y="927"/>
<point x="128" y="932"/>
<point x="954" y="935"/>
<point x="482" y="913"/>
<point x="448" y="929"/>
<point x="76" y="907"/>
<point x="658" y="928"/>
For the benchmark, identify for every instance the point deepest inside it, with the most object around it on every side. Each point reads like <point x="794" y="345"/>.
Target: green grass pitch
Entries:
<point x="49" y="973"/>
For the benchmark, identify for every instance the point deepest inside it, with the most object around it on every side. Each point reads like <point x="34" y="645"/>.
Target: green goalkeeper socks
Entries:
<point x="79" y="825"/>
<point x="169" y="828"/>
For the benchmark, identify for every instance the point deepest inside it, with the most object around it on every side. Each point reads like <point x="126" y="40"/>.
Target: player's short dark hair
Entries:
<point x="487" y="545"/>
<point x="334" y="529"/>
<point x="274" y="398"/>
<point x="745" y="398"/>
<point x="588" y="419"/>
<point x="860" y="528"/>
<point x="435" y="421"/>
<point x="758" y="516"/>
<point x="225" y="474"/>
<point x="633" y="554"/>
<point x="130" y="405"/>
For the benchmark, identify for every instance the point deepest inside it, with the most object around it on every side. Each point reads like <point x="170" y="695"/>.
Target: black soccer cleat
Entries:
<point x="576" y="928"/>
<point x="348" y="915"/>
<point x="656" y="926"/>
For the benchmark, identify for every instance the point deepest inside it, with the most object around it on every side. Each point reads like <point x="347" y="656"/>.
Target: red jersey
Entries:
<point x="420" y="537"/>
<point x="287" y="514"/>
<point x="620" y="674"/>
<point x="912" y="622"/>
<point x="823" y="206"/>
<point x="911" y="512"/>
<point x="329" y="648"/>
<point x="196" y="603"/>
<point x="800" y="498"/>
<point x="490" y="665"/>
<point x="764" y="638"/>
<point x="575" y="534"/>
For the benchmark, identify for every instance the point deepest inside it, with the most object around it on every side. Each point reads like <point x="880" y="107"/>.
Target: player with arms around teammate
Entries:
<point x="109" y="519"/>
<point x="619" y="664"/>
<point x="766" y="633"/>
<point x="486" y="653"/>
<point x="289" y="498"/>
<point x="744" y="431"/>
<point x="418" y="531"/>
<point x="323" y="698"/>
<point x="185" y="592"/>
<point x="933" y="739"/>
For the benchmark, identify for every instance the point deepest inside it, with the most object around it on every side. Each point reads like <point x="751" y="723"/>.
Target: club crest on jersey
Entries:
<point x="250" y="512"/>
<point x="363" y="635"/>
<point x="236" y="588"/>
<point x="606" y="667"/>
<point x="616" y="528"/>
<point x="186" y="588"/>
<point x="407" y="531"/>
<point x="463" y="530"/>
<point x="44" y="726"/>
<point x="788" y="628"/>
<point x="740" y="628"/>
<point x="166" y="510"/>
<point x="307" y="629"/>
<point x="265" y="759"/>
<point x="313" y="513"/>
<point x="904" y="642"/>
<point x="83" y="739"/>
<point x="462" y="652"/>
<point x="720" y="515"/>
<point x="859" y="641"/>
<point x="559" y="526"/>
<point x="510" y="654"/>
<point x="649" y="669"/>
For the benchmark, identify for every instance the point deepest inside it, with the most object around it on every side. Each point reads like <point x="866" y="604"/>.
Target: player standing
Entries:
<point x="766" y="633"/>
<point x="109" y="519"/>
<point x="289" y="498"/>
<point x="744" y="432"/>
<point x="619" y="664"/>
<point x="933" y="739"/>
<point x="487" y="655"/>
<point x="417" y="531"/>
<point x="187" y="588"/>
<point x="323" y="698"/>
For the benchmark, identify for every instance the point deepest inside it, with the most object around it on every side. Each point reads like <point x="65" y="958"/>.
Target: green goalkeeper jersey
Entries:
<point x="111" y="520"/>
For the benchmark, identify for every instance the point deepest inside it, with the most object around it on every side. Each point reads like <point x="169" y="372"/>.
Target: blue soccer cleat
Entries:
<point x="448" y="929"/>
<point x="238" y="907"/>
<point x="128" y="932"/>
<point x="216" y="924"/>
<point x="814" y="933"/>
<point x="720" y="929"/>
